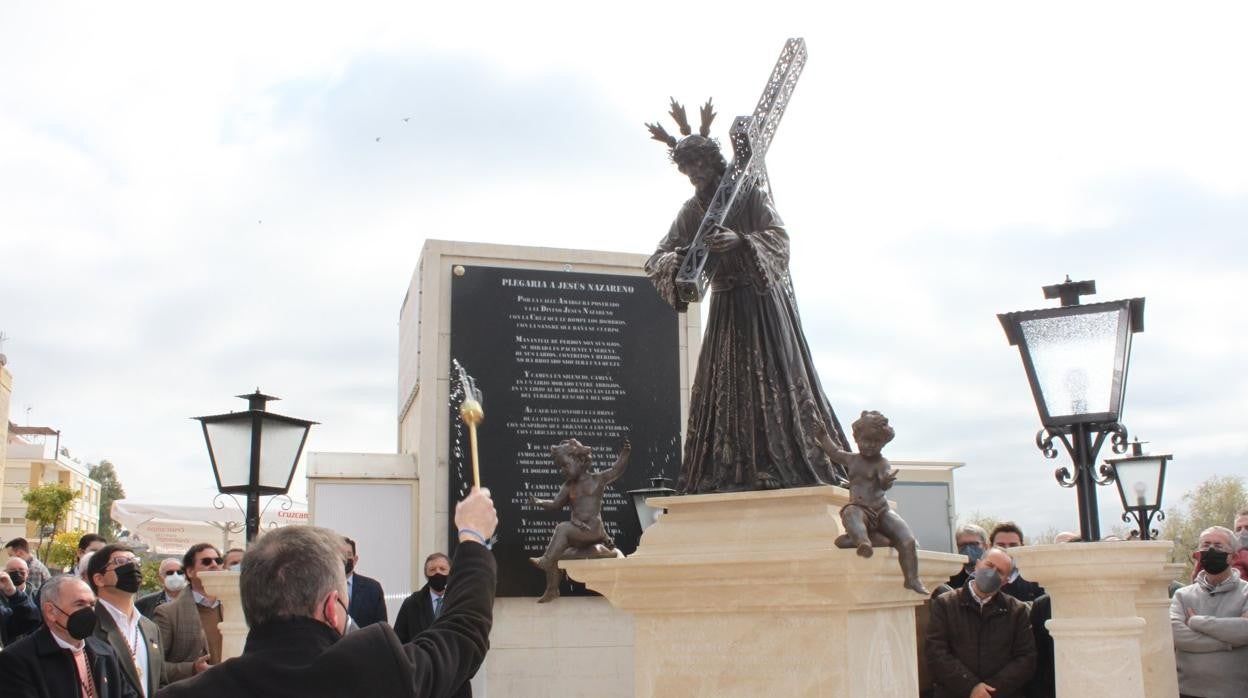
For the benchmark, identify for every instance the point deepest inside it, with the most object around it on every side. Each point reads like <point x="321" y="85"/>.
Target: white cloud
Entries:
<point x="193" y="203"/>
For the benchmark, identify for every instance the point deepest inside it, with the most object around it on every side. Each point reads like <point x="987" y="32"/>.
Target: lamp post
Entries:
<point x="1076" y="360"/>
<point x="254" y="452"/>
<point x="1140" y="479"/>
<point x="646" y="514"/>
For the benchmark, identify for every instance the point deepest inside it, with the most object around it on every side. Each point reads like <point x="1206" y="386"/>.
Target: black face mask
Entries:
<point x="129" y="577"/>
<point x="349" y="566"/>
<point x="437" y="582"/>
<point x="1215" y="561"/>
<point x="17" y="577"/>
<point x="79" y="624"/>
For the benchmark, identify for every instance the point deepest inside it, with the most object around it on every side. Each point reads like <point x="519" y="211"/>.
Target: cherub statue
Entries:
<point x="584" y="536"/>
<point x="867" y="518"/>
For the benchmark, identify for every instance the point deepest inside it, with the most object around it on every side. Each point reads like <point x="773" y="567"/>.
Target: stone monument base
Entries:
<point x="745" y="594"/>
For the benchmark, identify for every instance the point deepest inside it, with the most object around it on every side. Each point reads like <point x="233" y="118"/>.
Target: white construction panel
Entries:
<point x="378" y="516"/>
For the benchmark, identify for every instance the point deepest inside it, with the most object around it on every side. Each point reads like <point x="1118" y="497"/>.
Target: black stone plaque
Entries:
<point x="561" y="355"/>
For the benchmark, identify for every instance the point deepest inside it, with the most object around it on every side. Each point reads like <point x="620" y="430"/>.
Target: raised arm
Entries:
<point x="621" y="464"/>
<point x="836" y="455"/>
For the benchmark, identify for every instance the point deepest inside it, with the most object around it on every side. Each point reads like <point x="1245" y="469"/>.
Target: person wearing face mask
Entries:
<point x="1209" y="619"/>
<point x="172" y="582"/>
<point x="18" y="614"/>
<point x="293" y="591"/>
<point x="972" y="540"/>
<point x="63" y="657"/>
<point x="365" y="599"/>
<point x="423" y="605"/>
<point x="1240" y="559"/>
<point x="979" y="640"/>
<point x="38" y="574"/>
<point x="115" y="575"/>
<point x="234" y="559"/>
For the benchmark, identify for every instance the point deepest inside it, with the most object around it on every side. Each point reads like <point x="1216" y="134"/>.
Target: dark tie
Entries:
<point x="437" y="606"/>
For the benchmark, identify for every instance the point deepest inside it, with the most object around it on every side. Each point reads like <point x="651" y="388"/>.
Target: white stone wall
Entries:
<point x="571" y="647"/>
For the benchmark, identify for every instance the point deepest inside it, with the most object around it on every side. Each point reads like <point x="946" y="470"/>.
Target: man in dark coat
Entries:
<point x="979" y="640"/>
<point x="366" y="602"/>
<point x="418" y="610"/>
<point x="18" y="614"/>
<point x="45" y="664"/>
<point x="299" y="647"/>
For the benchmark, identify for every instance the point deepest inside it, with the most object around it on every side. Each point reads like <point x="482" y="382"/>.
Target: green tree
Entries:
<point x="110" y="491"/>
<point x="1213" y="502"/>
<point x="48" y="504"/>
<point x="151" y="576"/>
<point x="62" y="551"/>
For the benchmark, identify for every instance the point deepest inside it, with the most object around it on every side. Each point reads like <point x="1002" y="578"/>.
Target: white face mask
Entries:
<point x="175" y="582"/>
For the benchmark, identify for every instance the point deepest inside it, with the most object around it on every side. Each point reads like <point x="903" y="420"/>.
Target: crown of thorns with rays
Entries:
<point x="658" y="133"/>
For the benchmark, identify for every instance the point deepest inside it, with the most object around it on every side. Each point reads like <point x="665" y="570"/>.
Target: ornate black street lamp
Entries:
<point x="254" y="452"/>
<point x="1076" y="359"/>
<point x="1140" y="477"/>
<point x="645" y="513"/>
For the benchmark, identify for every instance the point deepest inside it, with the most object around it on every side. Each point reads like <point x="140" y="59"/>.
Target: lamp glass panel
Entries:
<point x="231" y="449"/>
<point x="1075" y="360"/>
<point x="1140" y="478"/>
<point x="279" y="449"/>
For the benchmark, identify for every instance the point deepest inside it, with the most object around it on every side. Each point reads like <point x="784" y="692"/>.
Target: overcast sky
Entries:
<point x="194" y="202"/>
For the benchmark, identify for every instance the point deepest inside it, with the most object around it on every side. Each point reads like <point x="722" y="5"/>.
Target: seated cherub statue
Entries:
<point x="584" y="535"/>
<point x="867" y="518"/>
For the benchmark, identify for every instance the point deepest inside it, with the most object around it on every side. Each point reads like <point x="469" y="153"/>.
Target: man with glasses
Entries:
<point x="62" y="657"/>
<point x="115" y="574"/>
<point x="300" y="644"/>
<point x="189" y="626"/>
<point x="172" y="582"/>
<point x="1210" y="622"/>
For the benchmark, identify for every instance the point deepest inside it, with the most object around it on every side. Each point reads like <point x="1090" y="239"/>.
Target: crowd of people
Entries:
<point x="314" y="622"/>
<point x="986" y="634"/>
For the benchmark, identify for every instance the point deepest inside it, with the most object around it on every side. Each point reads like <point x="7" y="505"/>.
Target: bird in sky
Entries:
<point x="378" y="139"/>
<point x="407" y="119"/>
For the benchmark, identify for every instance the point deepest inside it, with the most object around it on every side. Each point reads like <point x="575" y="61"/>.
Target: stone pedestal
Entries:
<point x="1152" y="602"/>
<point x="1099" y="636"/>
<point x="746" y="595"/>
<point x="223" y="584"/>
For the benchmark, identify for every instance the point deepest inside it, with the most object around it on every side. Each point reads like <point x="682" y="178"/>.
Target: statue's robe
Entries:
<point x="756" y="409"/>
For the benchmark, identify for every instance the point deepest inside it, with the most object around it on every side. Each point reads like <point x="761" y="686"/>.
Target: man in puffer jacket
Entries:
<point x="979" y="640"/>
<point x="1210" y="623"/>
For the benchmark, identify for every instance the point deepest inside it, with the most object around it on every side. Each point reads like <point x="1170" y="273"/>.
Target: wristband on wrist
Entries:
<point x="476" y="535"/>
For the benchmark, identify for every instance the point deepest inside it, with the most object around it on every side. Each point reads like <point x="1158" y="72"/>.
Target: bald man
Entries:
<point x="979" y="640"/>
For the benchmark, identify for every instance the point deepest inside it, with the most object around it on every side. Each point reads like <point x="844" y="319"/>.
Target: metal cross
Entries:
<point x="751" y="137"/>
